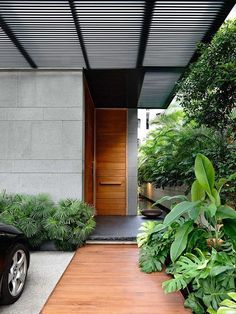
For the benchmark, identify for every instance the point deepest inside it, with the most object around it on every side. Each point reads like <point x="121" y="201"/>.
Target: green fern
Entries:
<point x="28" y="213"/>
<point x="39" y="219"/>
<point x="71" y="224"/>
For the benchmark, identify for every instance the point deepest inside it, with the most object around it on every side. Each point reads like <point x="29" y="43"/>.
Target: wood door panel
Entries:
<point x="110" y="184"/>
<point x="111" y="156"/>
<point x="111" y="142"/>
<point x="109" y="139"/>
<point x="101" y="172"/>
<point x="106" y="202"/>
<point x="111" y="166"/>
<point x="121" y="150"/>
<point x="111" y="195"/>
<point x="111" y="121"/>
<point x="106" y="206"/>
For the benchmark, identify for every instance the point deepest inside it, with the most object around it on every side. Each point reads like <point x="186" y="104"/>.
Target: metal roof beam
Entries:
<point x="7" y="30"/>
<point x="79" y="33"/>
<point x="147" y="19"/>
<point x="219" y="20"/>
<point x="166" y="69"/>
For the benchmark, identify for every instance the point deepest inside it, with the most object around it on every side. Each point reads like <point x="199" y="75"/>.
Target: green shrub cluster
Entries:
<point x="69" y="222"/>
<point x="167" y="156"/>
<point x="197" y="241"/>
<point x="206" y="124"/>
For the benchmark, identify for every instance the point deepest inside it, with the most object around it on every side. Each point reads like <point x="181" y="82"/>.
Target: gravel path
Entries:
<point x="45" y="270"/>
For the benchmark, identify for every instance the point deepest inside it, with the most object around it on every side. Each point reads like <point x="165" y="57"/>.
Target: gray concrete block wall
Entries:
<point x="132" y="162"/>
<point x="41" y="132"/>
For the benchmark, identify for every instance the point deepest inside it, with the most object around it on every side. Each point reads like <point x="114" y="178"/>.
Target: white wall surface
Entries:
<point x="41" y="132"/>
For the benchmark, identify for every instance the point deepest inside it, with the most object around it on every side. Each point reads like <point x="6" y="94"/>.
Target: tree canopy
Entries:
<point x="208" y="90"/>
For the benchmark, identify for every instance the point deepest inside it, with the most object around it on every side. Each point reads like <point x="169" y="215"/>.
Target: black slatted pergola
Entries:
<point x="133" y="51"/>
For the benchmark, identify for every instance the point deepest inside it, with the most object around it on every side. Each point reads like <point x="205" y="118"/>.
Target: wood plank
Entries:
<point x="111" y="120"/>
<point x="116" y="205"/>
<point x="117" y="210"/>
<point x="111" y="194"/>
<point x="109" y="139"/>
<point x="109" y="156"/>
<point x="111" y="165"/>
<point x="110" y="188"/>
<point x="101" y="172"/>
<point x="105" y="279"/>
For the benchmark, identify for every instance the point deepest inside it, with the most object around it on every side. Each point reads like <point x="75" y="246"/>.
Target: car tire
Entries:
<point x="15" y="274"/>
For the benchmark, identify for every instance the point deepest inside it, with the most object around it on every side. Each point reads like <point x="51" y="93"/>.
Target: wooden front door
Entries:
<point x="111" y="146"/>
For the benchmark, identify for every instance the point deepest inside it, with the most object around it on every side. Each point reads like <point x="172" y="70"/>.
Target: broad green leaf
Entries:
<point x="228" y="303"/>
<point x="170" y="198"/>
<point x="180" y="242"/>
<point x="223" y="181"/>
<point x="197" y="192"/>
<point x="216" y="270"/>
<point x="232" y="176"/>
<point x="228" y="306"/>
<point x="193" y="303"/>
<point x="178" y="211"/>
<point x="226" y="211"/>
<point x="211" y="311"/>
<point x="158" y="228"/>
<point x="220" y="183"/>
<point x="216" y="196"/>
<point x="195" y="212"/>
<point x="147" y="229"/>
<point x="212" y="209"/>
<point x="226" y="310"/>
<point x="205" y="172"/>
<point x="230" y="228"/>
<point x="232" y="295"/>
<point x="175" y="284"/>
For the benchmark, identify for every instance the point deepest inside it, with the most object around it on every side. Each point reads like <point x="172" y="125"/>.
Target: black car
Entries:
<point x="14" y="263"/>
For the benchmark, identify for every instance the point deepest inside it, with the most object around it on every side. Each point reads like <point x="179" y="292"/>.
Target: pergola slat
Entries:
<point x="157" y="37"/>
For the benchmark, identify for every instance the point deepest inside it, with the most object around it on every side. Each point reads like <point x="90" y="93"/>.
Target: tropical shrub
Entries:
<point x="202" y="243"/>
<point x="154" y="242"/>
<point x="6" y="200"/>
<point x="70" y="224"/>
<point x="28" y="213"/>
<point x="167" y="157"/>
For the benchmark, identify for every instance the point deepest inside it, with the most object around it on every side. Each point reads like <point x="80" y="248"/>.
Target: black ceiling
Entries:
<point x="115" y="88"/>
<point x="133" y="51"/>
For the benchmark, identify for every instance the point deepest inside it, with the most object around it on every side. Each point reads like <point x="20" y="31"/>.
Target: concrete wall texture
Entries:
<point x="41" y="132"/>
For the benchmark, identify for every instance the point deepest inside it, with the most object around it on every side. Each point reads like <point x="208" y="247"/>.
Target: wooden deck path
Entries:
<point x="105" y="279"/>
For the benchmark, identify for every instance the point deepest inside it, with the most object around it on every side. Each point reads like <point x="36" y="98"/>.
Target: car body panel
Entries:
<point x="9" y="236"/>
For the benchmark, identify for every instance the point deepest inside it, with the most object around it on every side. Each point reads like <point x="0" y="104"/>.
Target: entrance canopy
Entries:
<point x="133" y="51"/>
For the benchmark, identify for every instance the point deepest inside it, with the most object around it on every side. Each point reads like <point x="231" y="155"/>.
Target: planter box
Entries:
<point x="149" y="191"/>
<point x="48" y="246"/>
